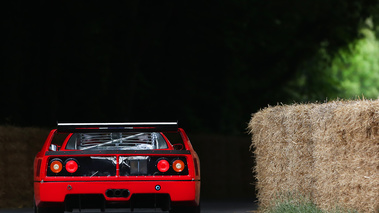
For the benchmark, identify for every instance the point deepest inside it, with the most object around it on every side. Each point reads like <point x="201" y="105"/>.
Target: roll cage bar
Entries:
<point x="118" y="127"/>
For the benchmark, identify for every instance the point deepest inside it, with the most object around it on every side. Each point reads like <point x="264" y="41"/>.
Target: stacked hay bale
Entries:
<point x="328" y="153"/>
<point x="18" y="146"/>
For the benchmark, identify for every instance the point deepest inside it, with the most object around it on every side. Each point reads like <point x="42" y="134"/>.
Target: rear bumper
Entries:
<point x="56" y="192"/>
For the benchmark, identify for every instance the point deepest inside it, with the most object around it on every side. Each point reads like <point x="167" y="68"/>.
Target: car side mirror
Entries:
<point x="53" y="147"/>
<point x="178" y="146"/>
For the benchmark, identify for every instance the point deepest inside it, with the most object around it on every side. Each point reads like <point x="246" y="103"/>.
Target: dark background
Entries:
<point x="207" y="64"/>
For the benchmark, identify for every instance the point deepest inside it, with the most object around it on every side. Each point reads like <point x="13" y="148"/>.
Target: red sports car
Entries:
<point x="117" y="165"/>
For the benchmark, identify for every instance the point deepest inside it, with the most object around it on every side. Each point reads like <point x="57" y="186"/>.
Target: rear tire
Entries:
<point x="185" y="209"/>
<point x="47" y="210"/>
<point x="34" y="206"/>
<point x="50" y="210"/>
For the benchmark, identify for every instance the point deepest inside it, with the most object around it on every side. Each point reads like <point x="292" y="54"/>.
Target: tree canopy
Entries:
<point x="208" y="64"/>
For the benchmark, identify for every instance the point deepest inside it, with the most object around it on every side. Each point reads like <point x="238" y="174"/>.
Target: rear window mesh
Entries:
<point x="117" y="141"/>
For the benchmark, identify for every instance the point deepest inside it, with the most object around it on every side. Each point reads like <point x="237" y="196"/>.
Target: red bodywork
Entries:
<point x="53" y="191"/>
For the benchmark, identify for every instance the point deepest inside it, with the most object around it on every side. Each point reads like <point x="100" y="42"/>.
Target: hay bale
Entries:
<point x="328" y="153"/>
<point x="18" y="146"/>
<point x="283" y="151"/>
<point x="347" y="157"/>
<point x="2" y="175"/>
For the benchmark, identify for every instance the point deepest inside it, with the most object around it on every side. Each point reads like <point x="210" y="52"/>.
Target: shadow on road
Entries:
<point x="206" y="207"/>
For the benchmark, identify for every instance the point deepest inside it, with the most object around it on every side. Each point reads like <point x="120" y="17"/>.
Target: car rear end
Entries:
<point x="117" y="174"/>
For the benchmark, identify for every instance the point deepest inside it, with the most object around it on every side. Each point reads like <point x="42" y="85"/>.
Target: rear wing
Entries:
<point x="118" y="127"/>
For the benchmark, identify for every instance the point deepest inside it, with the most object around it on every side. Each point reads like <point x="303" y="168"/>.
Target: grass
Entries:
<point x="290" y="207"/>
<point x="296" y="204"/>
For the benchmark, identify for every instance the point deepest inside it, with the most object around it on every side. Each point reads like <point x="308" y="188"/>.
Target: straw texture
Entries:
<point x="18" y="146"/>
<point x="328" y="153"/>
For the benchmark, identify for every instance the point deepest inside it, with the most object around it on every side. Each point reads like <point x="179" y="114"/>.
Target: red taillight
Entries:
<point x="56" y="166"/>
<point x="163" y="165"/>
<point x="178" y="166"/>
<point x="71" y="166"/>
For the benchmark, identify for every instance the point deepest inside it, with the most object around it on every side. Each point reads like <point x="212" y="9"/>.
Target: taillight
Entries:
<point x="163" y="165"/>
<point x="56" y="166"/>
<point x="71" y="165"/>
<point x="178" y="165"/>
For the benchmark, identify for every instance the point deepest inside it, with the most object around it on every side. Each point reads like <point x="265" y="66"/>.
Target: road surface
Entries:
<point x="206" y="207"/>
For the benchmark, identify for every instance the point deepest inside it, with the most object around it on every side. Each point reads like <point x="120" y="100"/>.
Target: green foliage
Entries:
<point x="313" y="80"/>
<point x="291" y="207"/>
<point x="208" y="64"/>
<point x="357" y="68"/>
<point x="291" y="203"/>
<point x="350" y="72"/>
<point x="306" y="207"/>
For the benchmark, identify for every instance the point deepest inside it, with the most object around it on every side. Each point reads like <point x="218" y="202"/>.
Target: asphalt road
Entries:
<point x="206" y="207"/>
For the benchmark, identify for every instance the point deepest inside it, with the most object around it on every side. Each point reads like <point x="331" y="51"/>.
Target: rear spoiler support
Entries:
<point x="118" y="127"/>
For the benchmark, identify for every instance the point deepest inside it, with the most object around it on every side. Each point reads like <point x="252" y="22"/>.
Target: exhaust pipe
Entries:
<point x="117" y="193"/>
<point x="109" y="193"/>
